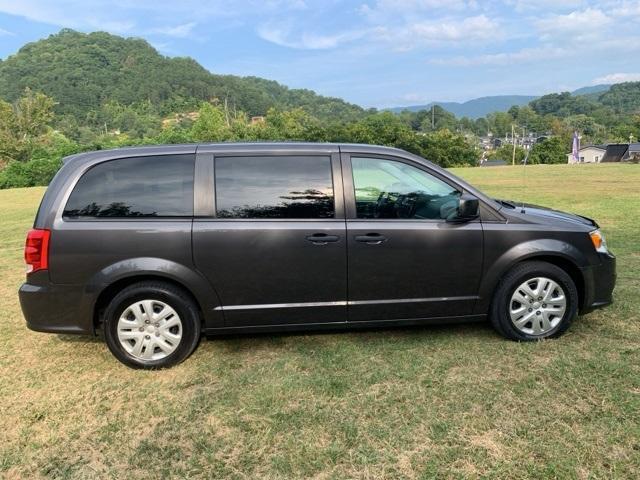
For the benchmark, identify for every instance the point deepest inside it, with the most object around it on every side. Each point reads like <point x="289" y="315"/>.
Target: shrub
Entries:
<point x="29" y="174"/>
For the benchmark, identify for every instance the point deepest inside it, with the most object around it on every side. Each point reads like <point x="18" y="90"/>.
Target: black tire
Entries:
<point x="499" y="312"/>
<point x="177" y="299"/>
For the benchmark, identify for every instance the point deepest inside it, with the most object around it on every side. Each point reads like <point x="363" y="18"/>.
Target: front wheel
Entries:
<point x="534" y="300"/>
<point x="151" y="325"/>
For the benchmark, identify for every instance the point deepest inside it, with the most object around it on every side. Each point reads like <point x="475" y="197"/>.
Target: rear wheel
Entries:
<point x="151" y="325"/>
<point x="534" y="300"/>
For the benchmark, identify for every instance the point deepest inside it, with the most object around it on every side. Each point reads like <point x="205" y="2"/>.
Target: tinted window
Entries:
<point x="159" y="186"/>
<point x="274" y="187"/>
<point x="389" y="189"/>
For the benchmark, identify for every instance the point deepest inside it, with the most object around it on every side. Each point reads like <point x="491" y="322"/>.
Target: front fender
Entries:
<point x="529" y="250"/>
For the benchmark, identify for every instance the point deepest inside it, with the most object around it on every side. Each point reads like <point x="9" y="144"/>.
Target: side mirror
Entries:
<point x="468" y="207"/>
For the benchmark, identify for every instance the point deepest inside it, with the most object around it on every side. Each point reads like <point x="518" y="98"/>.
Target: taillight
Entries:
<point x="36" y="250"/>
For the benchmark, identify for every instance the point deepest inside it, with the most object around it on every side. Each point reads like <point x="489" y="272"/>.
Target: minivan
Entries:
<point x="154" y="246"/>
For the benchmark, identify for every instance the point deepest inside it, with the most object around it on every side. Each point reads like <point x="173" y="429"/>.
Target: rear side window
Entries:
<point x="274" y="187"/>
<point x="156" y="186"/>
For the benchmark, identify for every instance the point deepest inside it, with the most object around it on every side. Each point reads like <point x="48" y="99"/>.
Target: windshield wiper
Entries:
<point x="505" y="203"/>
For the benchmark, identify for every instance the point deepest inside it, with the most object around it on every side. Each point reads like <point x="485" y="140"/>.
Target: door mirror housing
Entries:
<point x="468" y="209"/>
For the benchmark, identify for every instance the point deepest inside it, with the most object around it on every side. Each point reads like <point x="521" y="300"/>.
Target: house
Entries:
<point x="633" y="153"/>
<point x="588" y="154"/>
<point x="615" y="152"/>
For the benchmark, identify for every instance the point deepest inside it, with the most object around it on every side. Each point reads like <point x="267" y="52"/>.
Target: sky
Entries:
<point x="376" y="53"/>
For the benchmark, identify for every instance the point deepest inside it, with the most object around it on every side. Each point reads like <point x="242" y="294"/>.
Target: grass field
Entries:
<point x="447" y="402"/>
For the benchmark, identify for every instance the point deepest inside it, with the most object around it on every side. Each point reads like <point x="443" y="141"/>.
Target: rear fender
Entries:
<point x="148" y="267"/>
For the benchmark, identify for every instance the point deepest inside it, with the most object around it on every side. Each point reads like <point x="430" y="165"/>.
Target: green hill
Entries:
<point x="83" y="71"/>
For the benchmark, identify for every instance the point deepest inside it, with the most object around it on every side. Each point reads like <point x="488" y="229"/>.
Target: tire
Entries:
<point x="165" y="339"/>
<point x="518" y="314"/>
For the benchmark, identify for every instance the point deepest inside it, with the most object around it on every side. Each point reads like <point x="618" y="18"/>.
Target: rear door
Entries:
<point x="405" y="260"/>
<point x="273" y="245"/>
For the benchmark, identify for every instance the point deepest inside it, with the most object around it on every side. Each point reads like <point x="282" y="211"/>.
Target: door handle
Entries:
<point x="371" y="238"/>
<point x="322" y="238"/>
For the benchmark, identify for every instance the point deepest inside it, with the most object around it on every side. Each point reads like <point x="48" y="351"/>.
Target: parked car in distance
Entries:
<point x="155" y="246"/>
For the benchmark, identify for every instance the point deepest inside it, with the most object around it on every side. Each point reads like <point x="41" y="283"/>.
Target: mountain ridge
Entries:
<point x="83" y="71"/>
<point x="481" y="106"/>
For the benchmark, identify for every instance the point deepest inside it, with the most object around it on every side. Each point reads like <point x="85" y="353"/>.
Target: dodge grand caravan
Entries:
<point x="155" y="246"/>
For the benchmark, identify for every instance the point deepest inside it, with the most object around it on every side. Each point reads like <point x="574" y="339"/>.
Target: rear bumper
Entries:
<point x="55" y="308"/>
<point x="600" y="280"/>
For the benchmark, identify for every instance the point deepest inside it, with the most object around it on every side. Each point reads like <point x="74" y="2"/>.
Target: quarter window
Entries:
<point x="274" y="187"/>
<point x="388" y="189"/>
<point x="156" y="186"/>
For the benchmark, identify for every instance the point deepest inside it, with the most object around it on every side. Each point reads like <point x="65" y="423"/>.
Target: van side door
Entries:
<point x="273" y="245"/>
<point x="405" y="260"/>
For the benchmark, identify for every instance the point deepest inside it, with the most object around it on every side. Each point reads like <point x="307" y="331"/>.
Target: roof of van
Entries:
<point x="233" y="146"/>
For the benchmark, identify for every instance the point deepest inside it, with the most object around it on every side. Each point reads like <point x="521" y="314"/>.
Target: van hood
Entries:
<point x="530" y="210"/>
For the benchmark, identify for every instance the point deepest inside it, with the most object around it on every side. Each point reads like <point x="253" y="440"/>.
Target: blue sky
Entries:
<point x="376" y="53"/>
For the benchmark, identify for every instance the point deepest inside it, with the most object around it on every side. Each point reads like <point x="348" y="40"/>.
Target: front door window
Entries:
<point x="386" y="189"/>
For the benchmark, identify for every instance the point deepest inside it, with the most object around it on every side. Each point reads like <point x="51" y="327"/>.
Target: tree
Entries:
<point x="499" y="123"/>
<point x="551" y="150"/>
<point x="437" y="119"/>
<point x="449" y="149"/>
<point x="211" y="125"/>
<point x="24" y="124"/>
<point x="505" y="152"/>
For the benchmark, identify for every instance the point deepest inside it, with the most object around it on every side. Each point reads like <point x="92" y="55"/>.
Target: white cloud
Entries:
<point x="471" y="29"/>
<point x="116" y="15"/>
<point x="525" y="55"/>
<point x="582" y="24"/>
<point x="4" y="32"/>
<point x="70" y="13"/>
<point x="450" y="32"/>
<point x="546" y="5"/>
<point x="283" y="36"/>
<point x="397" y="7"/>
<point x="178" y="31"/>
<point x="617" y="78"/>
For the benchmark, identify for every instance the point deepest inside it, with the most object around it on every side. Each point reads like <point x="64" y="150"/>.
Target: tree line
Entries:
<point x="33" y="139"/>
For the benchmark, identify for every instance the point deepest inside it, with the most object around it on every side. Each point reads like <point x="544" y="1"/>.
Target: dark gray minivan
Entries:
<point x="156" y="245"/>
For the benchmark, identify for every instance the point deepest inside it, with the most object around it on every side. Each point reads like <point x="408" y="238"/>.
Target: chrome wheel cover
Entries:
<point x="149" y="330"/>
<point x="537" y="306"/>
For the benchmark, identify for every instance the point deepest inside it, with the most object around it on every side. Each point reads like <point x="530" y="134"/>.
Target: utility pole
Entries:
<point x="513" y="139"/>
<point x="433" y="118"/>
<point x="226" y="111"/>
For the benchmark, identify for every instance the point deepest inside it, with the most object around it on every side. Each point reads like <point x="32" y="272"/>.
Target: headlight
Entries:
<point x="599" y="243"/>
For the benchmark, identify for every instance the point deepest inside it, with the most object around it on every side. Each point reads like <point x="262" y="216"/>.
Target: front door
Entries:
<point x="275" y="250"/>
<point x="405" y="260"/>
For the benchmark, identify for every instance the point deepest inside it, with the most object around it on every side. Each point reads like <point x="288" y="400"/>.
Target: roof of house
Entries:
<point x="634" y="147"/>
<point x="615" y="152"/>
<point x="599" y="147"/>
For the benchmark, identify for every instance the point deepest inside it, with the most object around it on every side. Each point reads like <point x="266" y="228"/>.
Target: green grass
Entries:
<point x="452" y="402"/>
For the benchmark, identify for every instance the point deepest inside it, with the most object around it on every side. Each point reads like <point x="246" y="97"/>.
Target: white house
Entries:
<point x="588" y="154"/>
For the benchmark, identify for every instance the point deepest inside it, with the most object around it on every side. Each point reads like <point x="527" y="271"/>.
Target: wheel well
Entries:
<point x="568" y="266"/>
<point x="112" y="290"/>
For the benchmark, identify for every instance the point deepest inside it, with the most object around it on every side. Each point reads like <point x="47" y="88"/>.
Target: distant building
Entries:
<point x="588" y="154"/>
<point x="493" y="163"/>
<point x="615" y="152"/>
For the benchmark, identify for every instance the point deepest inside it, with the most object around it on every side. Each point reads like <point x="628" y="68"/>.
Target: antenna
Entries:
<point x="524" y="177"/>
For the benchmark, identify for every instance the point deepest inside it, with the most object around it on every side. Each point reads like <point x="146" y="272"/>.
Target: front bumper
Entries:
<point x="54" y="308"/>
<point x="599" y="282"/>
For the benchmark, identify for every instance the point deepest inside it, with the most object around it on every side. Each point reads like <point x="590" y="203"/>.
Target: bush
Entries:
<point x="29" y="174"/>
